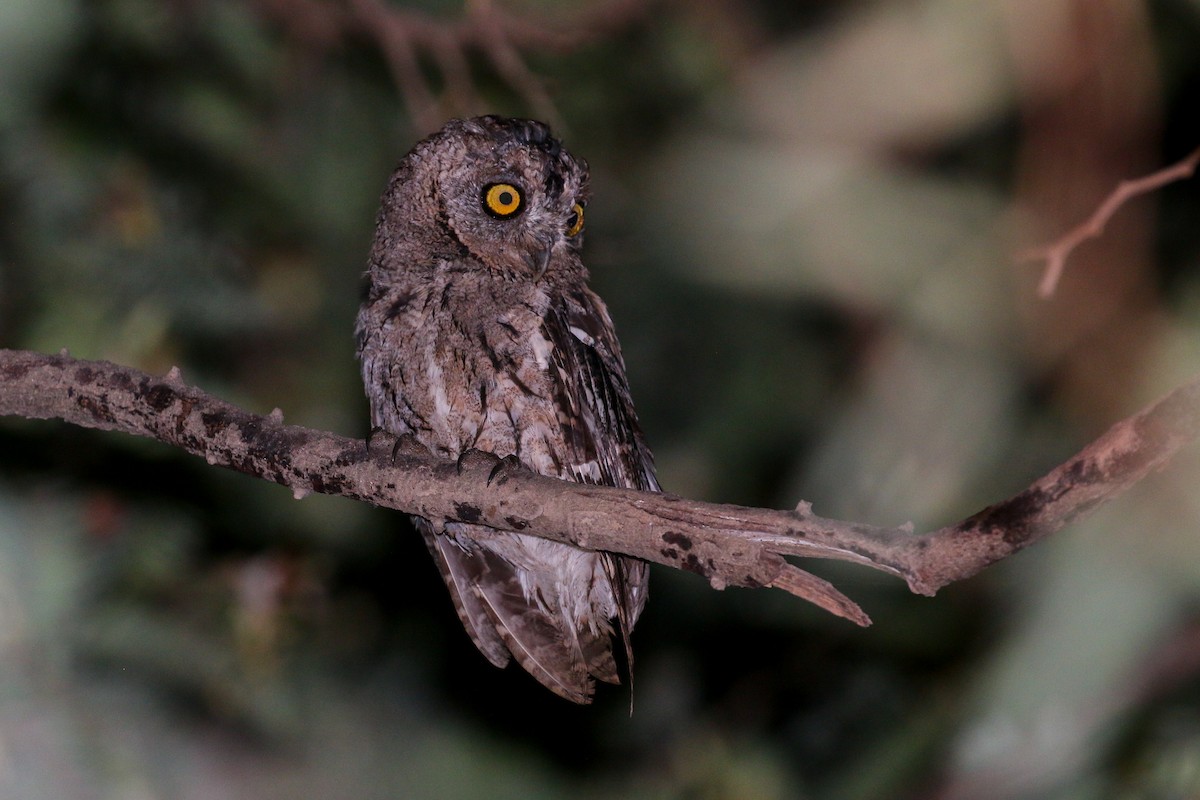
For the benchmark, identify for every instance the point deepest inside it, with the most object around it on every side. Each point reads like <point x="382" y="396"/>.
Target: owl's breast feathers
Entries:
<point x="534" y="375"/>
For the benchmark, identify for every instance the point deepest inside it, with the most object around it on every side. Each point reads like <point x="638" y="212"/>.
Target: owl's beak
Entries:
<point x="539" y="258"/>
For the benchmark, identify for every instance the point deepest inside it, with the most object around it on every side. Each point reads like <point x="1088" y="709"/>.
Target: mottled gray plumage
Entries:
<point x="478" y="331"/>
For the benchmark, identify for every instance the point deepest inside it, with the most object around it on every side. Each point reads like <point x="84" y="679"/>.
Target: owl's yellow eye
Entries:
<point x="502" y="200"/>
<point x="575" y="221"/>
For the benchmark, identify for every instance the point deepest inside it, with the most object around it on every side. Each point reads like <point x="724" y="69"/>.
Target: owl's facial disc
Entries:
<point x="511" y="196"/>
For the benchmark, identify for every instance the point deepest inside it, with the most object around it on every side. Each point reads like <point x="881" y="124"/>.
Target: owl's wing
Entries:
<point x="492" y="606"/>
<point x="595" y="405"/>
<point x="601" y="428"/>
<point x="461" y="571"/>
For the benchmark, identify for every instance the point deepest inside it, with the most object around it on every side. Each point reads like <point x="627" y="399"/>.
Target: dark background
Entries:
<point x="806" y="218"/>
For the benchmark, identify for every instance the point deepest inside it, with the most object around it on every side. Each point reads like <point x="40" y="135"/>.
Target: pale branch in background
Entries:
<point x="1055" y="253"/>
<point x="727" y="544"/>
<point x="404" y="36"/>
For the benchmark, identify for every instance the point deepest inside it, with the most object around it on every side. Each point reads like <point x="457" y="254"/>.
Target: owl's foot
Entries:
<point x="479" y="459"/>
<point x="374" y="436"/>
<point x="408" y="445"/>
<point x="404" y="445"/>
<point x="473" y="459"/>
<point x="506" y="464"/>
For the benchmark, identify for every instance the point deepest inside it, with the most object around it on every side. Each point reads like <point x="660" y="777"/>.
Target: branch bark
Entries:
<point x="729" y="545"/>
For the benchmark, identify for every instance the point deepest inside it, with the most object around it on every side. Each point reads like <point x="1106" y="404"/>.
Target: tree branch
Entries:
<point x="729" y="545"/>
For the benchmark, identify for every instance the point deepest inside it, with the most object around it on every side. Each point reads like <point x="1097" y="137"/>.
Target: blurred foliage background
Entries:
<point x="804" y="221"/>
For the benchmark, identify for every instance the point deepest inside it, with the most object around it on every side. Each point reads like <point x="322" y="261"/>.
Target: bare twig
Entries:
<point x="494" y="40"/>
<point x="395" y="38"/>
<point x="727" y="544"/>
<point x="1055" y="254"/>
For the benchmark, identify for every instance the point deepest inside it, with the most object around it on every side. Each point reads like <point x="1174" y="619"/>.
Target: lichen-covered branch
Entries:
<point x="727" y="544"/>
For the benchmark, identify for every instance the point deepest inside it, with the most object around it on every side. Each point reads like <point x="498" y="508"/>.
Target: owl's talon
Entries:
<point x="509" y="462"/>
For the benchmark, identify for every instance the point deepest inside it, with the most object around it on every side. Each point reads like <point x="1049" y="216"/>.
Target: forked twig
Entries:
<point x="1055" y="253"/>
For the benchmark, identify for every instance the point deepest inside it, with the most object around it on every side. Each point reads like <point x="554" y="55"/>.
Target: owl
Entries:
<point x="478" y="331"/>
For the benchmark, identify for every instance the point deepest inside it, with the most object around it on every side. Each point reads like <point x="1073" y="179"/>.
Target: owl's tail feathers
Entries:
<point x="628" y="593"/>
<point x="596" y="651"/>
<point x="493" y="608"/>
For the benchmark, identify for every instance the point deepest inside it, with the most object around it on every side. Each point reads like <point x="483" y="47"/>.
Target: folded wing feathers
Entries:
<point x="535" y="638"/>
<point x="461" y="571"/>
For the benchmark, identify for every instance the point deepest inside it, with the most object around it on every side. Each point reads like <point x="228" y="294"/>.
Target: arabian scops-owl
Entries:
<point x="478" y="331"/>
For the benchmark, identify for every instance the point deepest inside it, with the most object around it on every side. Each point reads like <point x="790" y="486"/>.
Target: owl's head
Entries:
<point x="503" y="190"/>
